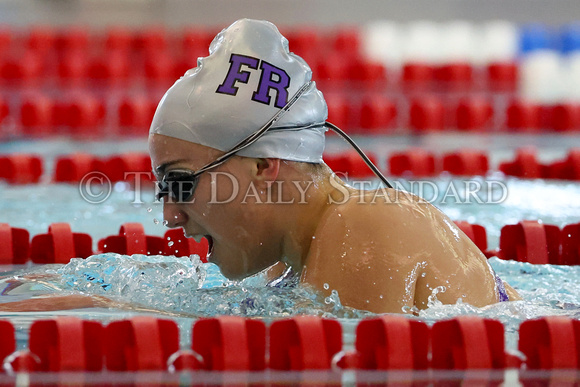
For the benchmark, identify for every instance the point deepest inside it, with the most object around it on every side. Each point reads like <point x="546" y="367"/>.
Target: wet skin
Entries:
<point x="384" y="251"/>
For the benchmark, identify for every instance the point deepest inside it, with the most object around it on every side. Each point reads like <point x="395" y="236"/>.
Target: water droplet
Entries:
<point x="149" y="209"/>
<point x="381" y="296"/>
<point x="326" y="286"/>
<point x="170" y="243"/>
<point x="423" y="275"/>
<point x="155" y="220"/>
<point x="165" y="223"/>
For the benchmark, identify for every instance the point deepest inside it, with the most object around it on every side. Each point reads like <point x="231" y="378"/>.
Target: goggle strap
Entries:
<point x="256" y="135"/>
<point x="360" y="152"/>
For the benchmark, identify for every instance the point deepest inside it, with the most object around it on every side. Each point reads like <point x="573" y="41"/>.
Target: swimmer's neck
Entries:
<point x="300" y="221"/>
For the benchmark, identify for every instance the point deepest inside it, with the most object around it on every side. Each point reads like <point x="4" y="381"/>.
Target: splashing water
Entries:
<point x="185" y="286"/>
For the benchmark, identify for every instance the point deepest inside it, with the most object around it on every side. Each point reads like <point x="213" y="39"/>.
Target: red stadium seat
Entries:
<point x="16" y="245"/>
<point x="304" y="41"/>
<point x="132" y="240"/>
<point x="84" y="114"/>
<point x="6" y="39"/>
<point x="570" y="254"/>
<point x="181" y="246"/>
<point x="20" y="168"/>
<point x="502" y="76"/>
<point x="72" y="168"/>
<point x="141" y="344"/>
<point x="524" y="116"/>
<point x="339" y="111"/>
<point x="417" y="162"/>
<point x="115" y="67"/>
<point x="230" y="343"/>
<point x="118" y="38"/>
<point x="370" y="75"/>
<point x="524" y="165"/>
<point x="378" y="114"/>
<point x="468" y="342"/>
<point x="550" y="343"/>
<point x="73" y="68"/>
<point x="473" y="114"/>
<point x="466" y="163"/>
<point x="135" y="114"/>
<point x="426" y="114"/>
<point x="37" y="114"/>
<point x="530" y="241"/>
<point x="59" y="245"/>
<point x="392" y="343"/>
<point x="152" y="39"/>
<point x="73" y="38"/>
<point x="41" y="39"/>
<point x="331" y="71"/>
<point x="67" y="344"/>
<point x="565" y="117"/>
<point x="475" y="232"/>
<point x="159" y="69"/>
<point x="455" y="76"/>
<point x="418" y="76"/>
<point x="346" y="40"/>
<point x="304" y="343"/>
<point x="27" y="68"/>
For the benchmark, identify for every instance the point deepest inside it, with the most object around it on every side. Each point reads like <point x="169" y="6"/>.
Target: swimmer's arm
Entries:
<point x="57" y="302"/>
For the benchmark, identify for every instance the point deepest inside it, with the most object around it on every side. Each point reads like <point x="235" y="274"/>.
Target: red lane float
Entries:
<point x="570" y="254"/>
<point x="530" y="241"/>
<point x="468" y="343"/>
<point x="59" y="245"/>
<point x="15" y="245"/>
<point x="67" y="344"/>
<point x="466" y="163"/>
<point x="304" y="343"/>
<point x="181" y="246"/>
<point x="230" y="343"/>
<point x="72" y="168"/>
<point x="392" y="343"/>
<point x="524" y="165"/>
<point x="132" y="240"/>
<point x="415" y="161"/>
<point x="141" y="344"/>
<point x="550" y="343"/>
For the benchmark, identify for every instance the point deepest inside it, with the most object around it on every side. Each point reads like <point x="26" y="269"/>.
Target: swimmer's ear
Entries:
<point x="267" y="169"/>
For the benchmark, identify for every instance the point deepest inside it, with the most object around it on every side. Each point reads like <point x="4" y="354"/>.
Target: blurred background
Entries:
<point x="496" y="83"/>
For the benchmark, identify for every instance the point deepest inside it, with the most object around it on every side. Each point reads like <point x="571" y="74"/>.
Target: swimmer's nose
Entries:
<point x="173" y="216"/>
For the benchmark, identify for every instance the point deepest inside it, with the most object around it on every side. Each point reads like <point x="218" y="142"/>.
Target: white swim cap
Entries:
<point x="247" y="78"/>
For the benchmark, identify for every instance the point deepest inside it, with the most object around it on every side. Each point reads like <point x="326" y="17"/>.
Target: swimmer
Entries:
<point x="236" y="146"/>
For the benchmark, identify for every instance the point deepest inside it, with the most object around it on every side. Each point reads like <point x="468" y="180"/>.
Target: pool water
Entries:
<point x="184" y="289"/>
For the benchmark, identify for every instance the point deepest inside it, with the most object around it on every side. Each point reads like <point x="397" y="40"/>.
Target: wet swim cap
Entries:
<point x="247" y="78"/>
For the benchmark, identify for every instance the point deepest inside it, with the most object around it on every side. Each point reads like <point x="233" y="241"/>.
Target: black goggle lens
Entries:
<point x="179" y="185"/>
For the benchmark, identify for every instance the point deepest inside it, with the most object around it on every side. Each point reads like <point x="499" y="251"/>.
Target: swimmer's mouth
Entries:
<point x="209" y="246"/>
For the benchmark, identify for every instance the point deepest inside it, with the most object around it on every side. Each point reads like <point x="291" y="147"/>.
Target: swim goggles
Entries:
<point x="181" y="184"/>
